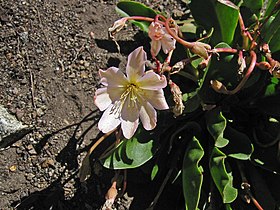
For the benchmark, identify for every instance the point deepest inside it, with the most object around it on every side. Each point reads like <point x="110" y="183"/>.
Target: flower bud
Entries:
<point x="200" y="49"/>
<point x="264" y="65"/>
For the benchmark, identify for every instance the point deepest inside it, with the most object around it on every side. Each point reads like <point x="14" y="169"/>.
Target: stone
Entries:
<point x="11" y="130"/>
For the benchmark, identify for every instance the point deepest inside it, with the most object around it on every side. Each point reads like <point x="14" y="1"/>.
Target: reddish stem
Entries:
<point x="174" y="35"/>
<point x="224" y="50"/>
<point x="248" y="73"/>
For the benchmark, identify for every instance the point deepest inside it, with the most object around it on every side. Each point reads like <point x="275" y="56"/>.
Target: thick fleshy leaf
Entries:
<point x="239" y="146"/>
<point x="222" y="178"/>
<point x="132" y="153"/>
<point x="222" y="15"/>
<point x="192" y="174"/>
<point x="154" y="171"/>
<point x="254" y="5"/>
<point x="272" y="87"/>
<point x="270" y="6"/>
<point x="216" y="124"/>
<point x="222" y="68"/>
<point x="132" y="8"/>
<point x="192" y="103"/>
<point x="271" y="33"/>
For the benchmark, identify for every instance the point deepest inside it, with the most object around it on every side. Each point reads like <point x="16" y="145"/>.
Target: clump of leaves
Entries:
<point x="224" y="131"/>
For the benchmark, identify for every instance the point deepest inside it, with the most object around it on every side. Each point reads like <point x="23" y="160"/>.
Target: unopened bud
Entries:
<point x="264" y="65"/>
<point x="218" y="86"/>
<point x="200" y="49"/>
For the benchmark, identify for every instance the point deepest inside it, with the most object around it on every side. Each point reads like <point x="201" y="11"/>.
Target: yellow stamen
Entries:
<point x="131" y="93"/>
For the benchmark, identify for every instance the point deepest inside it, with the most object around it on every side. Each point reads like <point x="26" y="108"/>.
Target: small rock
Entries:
<point x="40" y="112"/>
<point x="31" y="150"/>
<point x="13" y="168"/>
<point x="47" y="163"/>
<point x="11" y="129"/>
<point x="73" y="75"/>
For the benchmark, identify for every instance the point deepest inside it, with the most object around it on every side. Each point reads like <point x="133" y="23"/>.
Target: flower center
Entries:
<point x="131" y="92"/>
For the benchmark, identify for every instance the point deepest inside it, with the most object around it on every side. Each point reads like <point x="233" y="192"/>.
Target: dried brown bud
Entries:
<point x="275" y="68"/>
<point x="118" y="25"/>
<point x="177" y="98"/>
<point x="218" y="86"/>
<point x="265" y="48"/>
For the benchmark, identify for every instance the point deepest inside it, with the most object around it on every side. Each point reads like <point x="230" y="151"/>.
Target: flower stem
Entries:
<point x="174" y="35"/>
<point x="248" y="73"/>
<point x="224" y="50"/>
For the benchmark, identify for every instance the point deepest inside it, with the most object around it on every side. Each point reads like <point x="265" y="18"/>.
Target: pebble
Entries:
<point x="47" y="163"/>
<point x="13" y="168"/>
<point x="31" y="150"/>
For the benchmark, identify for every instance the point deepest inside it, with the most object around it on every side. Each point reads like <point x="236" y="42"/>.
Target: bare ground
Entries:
<point x="50" y="53"/>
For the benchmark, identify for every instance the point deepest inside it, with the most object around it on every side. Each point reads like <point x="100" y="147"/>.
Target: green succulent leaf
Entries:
<point x="254" y="5"/>
<point x="192" y="174"/>
<point x="154" y="172"/>
<point x="222" y="179"/>
<point x="192" y="103"/>
<point x="239" y="146"/>
<point x="222" y="68"/>
<point x="271" y="88"/>
<point x="132" y="8"/>
<point x="220" y="14"/>
<point x="270" y="6"/>
<point x="131" y="153"/>
<point x="271" y="33"/>
<point x="216" y="124"/>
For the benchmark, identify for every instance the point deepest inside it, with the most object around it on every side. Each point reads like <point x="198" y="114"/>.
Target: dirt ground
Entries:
<point x="50" y="53"/>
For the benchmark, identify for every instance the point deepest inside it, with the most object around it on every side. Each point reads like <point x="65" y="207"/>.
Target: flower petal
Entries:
<point x="155" y="47"/>
<point x="167" y="42"/>
<point x="102" y="99"/>
<point x="109" y="120"/>
<point x="129" y="128"/>
<point x="156" y="99"/>
<point x="130" y="110"/>
<point x="136" y="64"/>
<point x="148" y="116"/>
<point x="151" y="81"/>
<point x="115" y="92"/>
<point x="113" y="77"/>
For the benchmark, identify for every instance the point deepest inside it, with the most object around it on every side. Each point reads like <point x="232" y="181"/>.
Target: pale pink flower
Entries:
<point x="125" y="98"/>
<point x="160" y="39"/>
